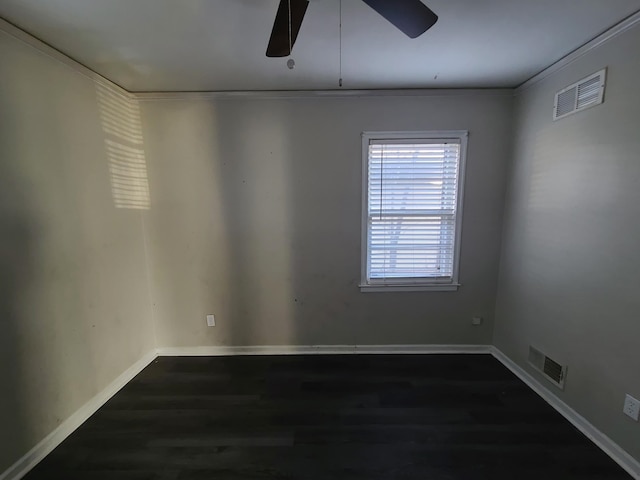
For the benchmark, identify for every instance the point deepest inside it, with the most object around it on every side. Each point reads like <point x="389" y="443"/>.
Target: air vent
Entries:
<point x="586" y="93"/>
<point x="551" y="369"/>
<point x="566" y="102"/>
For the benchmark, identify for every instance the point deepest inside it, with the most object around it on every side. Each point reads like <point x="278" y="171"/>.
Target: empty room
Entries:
<point x="325" y="239"/>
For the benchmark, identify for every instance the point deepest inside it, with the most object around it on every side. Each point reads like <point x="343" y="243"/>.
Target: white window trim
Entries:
<point x="419" y="284"/>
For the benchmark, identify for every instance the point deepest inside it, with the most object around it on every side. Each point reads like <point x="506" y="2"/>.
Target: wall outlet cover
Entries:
<point x="631" y="407"/>
<point x="211" y="321"/>
<point x="476" y="321"/>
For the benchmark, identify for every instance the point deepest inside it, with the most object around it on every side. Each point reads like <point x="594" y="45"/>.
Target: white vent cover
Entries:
<point x="551" y="369"/>
<point x="586" y="93"/>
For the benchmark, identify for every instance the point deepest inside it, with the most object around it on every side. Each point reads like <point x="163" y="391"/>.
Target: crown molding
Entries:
<point x="618" y="29"/>
<point x="321" y="94"/>
<point x="44" y="48"/>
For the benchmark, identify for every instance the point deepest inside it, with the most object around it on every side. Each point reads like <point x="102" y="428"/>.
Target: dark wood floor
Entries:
<point x="428" y="417"/>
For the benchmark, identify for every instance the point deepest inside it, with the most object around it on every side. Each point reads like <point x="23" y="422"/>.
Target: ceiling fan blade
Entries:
<point x="286" y="27"/>
<point x="412" y="17"/>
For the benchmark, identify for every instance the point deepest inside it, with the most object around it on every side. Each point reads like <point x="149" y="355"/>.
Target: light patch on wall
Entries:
<point x="124" y="144"/>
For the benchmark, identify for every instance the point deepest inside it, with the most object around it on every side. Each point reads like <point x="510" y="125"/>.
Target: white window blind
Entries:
<point x="412" y="207"/>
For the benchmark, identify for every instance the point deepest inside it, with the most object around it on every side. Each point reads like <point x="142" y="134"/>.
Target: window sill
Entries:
<point x="449" y="287"/>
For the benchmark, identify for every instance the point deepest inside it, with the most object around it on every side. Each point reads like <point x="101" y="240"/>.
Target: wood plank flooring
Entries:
<point x="428" y="417"/>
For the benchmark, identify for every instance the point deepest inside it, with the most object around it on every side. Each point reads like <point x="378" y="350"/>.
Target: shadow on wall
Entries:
<point x="289" y="220"/>
<point x="257" y="220"/>
<point x="18" y="233"/>
<point x="37" y="298"/>
<point x="52" y="187"/>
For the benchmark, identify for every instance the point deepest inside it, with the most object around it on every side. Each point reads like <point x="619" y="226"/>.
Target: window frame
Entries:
<point x="417" y="283"/>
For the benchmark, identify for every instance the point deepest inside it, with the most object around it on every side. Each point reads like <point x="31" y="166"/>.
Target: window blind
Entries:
<point x="412" y="203"/>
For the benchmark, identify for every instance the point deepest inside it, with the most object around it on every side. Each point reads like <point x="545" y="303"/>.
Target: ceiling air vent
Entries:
<point x="586" y="93"/>
<point x="551" y="369"/>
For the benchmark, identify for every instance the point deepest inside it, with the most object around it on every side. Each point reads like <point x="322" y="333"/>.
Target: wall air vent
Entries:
<point x="552" y="370"/>
<point x="586" y="93"/>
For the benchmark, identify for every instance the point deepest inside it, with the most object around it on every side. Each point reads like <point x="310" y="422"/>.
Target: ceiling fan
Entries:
<point x="412" y="17"/>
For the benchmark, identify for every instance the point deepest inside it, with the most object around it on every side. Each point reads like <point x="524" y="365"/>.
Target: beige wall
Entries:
<point x="256" y="217"/>
<point x="570" y="268"/>
<point x="74" y="306"/>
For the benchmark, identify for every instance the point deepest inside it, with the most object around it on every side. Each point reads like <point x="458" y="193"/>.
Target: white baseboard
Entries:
<point x="319" y="350"/>
<point x="66" y="428"/>
<point x="42" y="449"/>
<point x="617" y="453"/>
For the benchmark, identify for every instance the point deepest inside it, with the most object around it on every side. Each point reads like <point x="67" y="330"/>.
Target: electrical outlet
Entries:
<point x="211" y="321"/>
<point x="475" y="321"/>
<point x="631" y="407"/>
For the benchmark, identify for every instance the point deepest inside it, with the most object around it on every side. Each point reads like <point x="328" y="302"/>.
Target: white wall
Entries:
<point x="256" y="217"/>
<point x="74" y="305"/>
<point x="570" y="268"/>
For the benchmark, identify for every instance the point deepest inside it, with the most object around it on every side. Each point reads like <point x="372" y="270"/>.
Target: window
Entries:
<point x="412" y="210"/>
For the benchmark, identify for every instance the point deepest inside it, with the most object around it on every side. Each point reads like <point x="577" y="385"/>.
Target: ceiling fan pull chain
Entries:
<point x="340" y="48"/>
<point x="289" y="36"/>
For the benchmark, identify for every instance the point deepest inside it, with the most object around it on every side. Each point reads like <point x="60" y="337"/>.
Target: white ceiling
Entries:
<point x="197" y="45"/>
